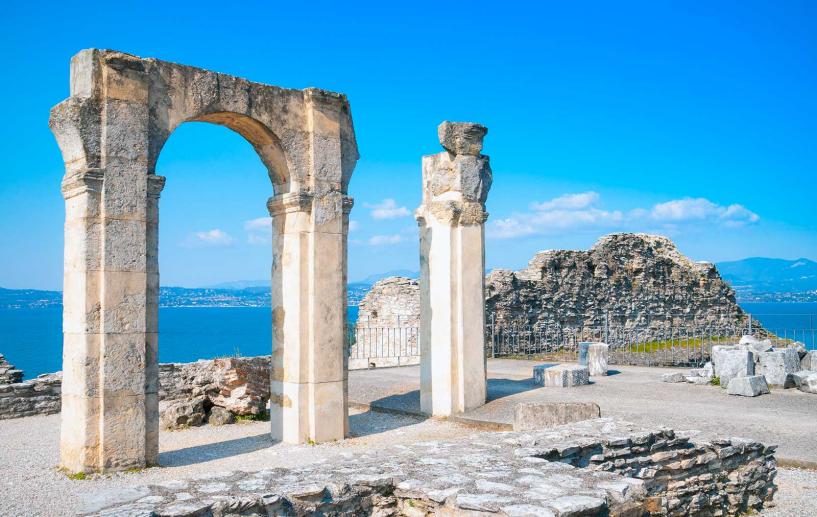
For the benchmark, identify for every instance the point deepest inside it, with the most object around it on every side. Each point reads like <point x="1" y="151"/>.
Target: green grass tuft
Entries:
<point x="260" y="417"/>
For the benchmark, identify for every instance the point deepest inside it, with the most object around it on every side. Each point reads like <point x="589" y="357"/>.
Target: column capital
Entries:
<point x="453" y="213"/>
<point x="289" y="202"/>
<point x="84" y="181"/>
<point x="155" y="185"/>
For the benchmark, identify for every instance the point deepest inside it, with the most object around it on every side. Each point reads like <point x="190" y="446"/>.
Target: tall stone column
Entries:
<point x="452" y="271"/>
<point x="308" y="395"/>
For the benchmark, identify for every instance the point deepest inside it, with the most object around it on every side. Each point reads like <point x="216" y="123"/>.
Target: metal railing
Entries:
<point x="673" y="345"/>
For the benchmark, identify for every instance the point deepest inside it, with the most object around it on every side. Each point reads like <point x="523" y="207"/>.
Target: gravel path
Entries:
<point x="797" y="496"/>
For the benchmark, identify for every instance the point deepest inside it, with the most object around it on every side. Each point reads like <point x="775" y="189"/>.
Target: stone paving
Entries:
<point x="570" y="470"/>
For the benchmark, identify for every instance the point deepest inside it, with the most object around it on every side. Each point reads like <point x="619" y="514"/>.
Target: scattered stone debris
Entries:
<point x="595" y="467"/>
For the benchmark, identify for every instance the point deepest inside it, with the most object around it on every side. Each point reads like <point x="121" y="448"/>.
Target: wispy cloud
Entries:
<point x="353" y="225"/>
<point x="209" y="238"/>
<point x="387" y="209"/>
<point x="582" y="211"/>
<point x="385" y="240"/>
<point x="258" y="230"/>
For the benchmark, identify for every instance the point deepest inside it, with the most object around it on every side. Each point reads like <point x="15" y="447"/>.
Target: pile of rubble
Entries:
<point x="213" y="391"/>
<point x="751" y="366"/>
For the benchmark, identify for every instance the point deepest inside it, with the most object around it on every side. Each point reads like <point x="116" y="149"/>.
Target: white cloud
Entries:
<point x="580" y="211"/>
<point x="353" y="225"/>
<point x="387" y="209"/>
<point x="211" y="238"/>
<point x="383" y="240"/>
<point x="258" y="230"/>
<point x="260" y="223"/>
<point x="701" y="209"/>
<point x="568" y="202"/>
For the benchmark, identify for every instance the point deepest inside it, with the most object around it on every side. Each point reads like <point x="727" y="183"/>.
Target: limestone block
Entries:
<point x="529" y="416"/>
<point x="561" y="375"/>
<point x="809" y="361"/>
<point x="777" y="364"/>
<point x="597" y="358"/>
<point x="183" y="413"/>
<point x="795" y="380"/>
<point x="809" y="384"/>
<point x="584" y="346"/>
<point x="756" y="344"/>
<point x="732" y="362"/>
<point x="696" y="379"/>
<point x="220" y="416"/>
<point x="462" y="137"/>
<point x="750" y="386"/>
<point x="673" y="377"/>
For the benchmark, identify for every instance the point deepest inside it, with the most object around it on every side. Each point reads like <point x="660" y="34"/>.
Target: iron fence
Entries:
<point x="676" y="345"/>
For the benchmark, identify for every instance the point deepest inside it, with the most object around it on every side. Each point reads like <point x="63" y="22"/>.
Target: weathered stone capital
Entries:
<point x="87" y="180"/>
<point x="155" y="185"/>
<point x="289" y="202"/>
<point x="348" y="202"/>
<point x="453" y="213"/>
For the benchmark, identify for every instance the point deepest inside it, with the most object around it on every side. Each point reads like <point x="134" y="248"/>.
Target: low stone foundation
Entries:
<point x="597" y="467"/>
<point x="38" y="396"/>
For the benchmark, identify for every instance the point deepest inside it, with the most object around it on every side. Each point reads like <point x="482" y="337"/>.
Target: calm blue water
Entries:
<point x="31" y="339"/>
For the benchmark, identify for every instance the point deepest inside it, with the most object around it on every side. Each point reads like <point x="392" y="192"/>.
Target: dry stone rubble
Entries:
<point x="594" y="467"/>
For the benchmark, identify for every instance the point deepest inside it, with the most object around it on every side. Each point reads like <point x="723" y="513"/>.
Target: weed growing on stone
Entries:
<point x="260" y="417"/>
<point x="716" y="381"/>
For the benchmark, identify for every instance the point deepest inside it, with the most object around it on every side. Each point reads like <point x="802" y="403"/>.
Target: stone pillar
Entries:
<point x="452" y="272"/>
<point x="308" y="392"/>
<point x="110" y="383"/>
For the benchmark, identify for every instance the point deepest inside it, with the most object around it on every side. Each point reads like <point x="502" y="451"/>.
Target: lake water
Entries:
<point x="31" y="339"/>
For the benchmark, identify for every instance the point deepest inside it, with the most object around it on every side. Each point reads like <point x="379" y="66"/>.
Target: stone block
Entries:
<point x="584" y="346"/>
<point x="220" y="416"/>
<point x="597" y="358"/>
<point x="808" y="384"/>
<point x="795" y="380"/>
<point x="529" y="416"/>
<point x="462" y="137"/>
<point x="809" y="361"/>
<point x="777" y="364"/>
<point x="750" y="386"/>
<point x="673" y="377"/>
<point x="730" y="362"/>
<point x="756" y="344"/>
<point x="561" y="375"/>
<point x="183" y="413"/>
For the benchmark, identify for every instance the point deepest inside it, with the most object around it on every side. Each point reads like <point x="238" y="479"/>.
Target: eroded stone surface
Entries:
<point x="730" y="362"/>
<point x="533" y="416"/>
<point x="452" y="272"/>
<point x="561" y="375"/>
<point x="777" y="364"/>
<point x="110" y="131"/>
<point x="751" y="386"/>
<point x="593" y="467"/>
<point x="8" y="373"/>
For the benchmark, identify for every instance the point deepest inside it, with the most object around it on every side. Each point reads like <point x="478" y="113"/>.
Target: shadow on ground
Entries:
<point x="214" y="451"/>
<point x="499" y="388"/>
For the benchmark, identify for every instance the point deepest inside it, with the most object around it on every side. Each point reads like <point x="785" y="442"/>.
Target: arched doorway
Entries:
<point x="110" y="130"/>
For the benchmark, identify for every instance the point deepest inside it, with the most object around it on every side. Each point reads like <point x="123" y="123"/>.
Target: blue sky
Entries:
<point x="694" y="121"/>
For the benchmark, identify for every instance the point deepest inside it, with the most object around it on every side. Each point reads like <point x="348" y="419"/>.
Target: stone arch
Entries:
<point x="110" y="131"/>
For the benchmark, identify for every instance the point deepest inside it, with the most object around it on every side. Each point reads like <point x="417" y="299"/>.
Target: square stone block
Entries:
<point x="597" y="358"/>
<point x="751" y="386"/>
<point x="731" y="362"/>
<point x="529" y="416"/>
<point x="777" y="364"/>
<point x="561" y="375"/>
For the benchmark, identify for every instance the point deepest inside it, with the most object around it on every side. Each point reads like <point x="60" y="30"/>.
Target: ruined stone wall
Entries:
<point x="38" y="396"/>
<point x="637" y="280"/>
<point x="8" y="373"/>
<point x="387" y="329"/>
<point x="238" y="384"/>
<point x="598" y="467"/>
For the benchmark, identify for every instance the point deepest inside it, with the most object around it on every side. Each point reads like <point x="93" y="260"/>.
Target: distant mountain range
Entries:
<point x="754" y="279"/>
<point x="761" y="279"/>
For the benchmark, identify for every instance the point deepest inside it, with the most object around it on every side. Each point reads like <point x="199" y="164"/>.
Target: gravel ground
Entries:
<point x="797" y="496"/>
<point x="636" y="394"/>
<point x="29" y="453"/>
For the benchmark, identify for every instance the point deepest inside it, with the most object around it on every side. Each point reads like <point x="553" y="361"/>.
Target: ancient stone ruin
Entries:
<point x="625" y="280"/>
<point x="110" y="130"/>
<point x="452" y="271"/>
